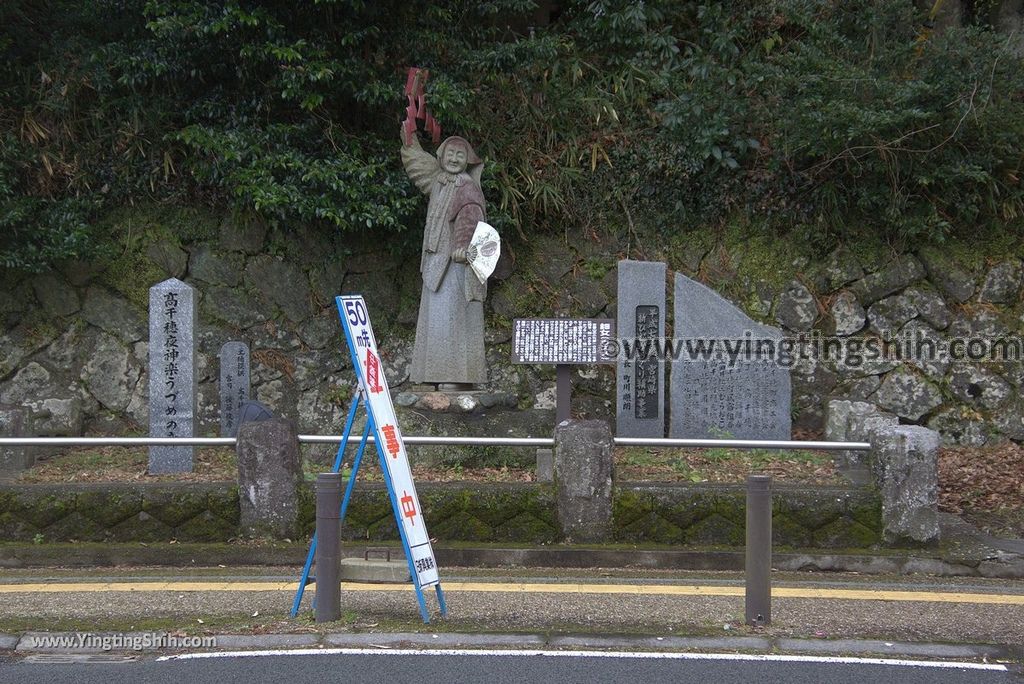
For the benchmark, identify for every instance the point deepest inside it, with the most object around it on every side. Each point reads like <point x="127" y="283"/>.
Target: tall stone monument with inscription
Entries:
<point x="725" y="378"/>
<point x="234" y="385"/>
<point x="172" y="383"/>
<point x="641" y="320"/>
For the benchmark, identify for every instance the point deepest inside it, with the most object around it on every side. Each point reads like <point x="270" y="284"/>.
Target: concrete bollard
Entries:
<point x="328" y="547"/>
<point x="269" y="472"/>
<point x="583" y="480"/>
<point x="758" y="595"/>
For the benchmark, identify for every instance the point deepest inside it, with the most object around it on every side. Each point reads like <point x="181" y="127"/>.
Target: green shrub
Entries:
<point x="819" y="116"/>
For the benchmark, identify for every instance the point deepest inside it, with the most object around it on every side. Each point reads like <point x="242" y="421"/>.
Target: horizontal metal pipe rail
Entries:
<point x="443" y="441"/>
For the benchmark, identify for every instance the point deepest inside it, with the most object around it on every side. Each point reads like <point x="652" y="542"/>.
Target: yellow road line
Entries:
<point x="526" y="588"/>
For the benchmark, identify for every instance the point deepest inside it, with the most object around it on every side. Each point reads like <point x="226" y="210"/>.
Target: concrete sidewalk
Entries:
<point x="247" y="608"/>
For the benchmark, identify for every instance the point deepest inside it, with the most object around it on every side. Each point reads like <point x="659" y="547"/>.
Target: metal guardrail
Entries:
<point x="444" y="441"/>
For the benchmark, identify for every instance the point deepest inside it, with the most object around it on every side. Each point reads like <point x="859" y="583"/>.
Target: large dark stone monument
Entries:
<point x="172" y="383"/>
<point x="640" y="383"/>
<point x="735" y="388"/>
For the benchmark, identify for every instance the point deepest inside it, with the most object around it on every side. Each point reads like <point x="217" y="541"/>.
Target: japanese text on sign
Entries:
<point x="562" y="340"/>
<point x="171" y="368"/>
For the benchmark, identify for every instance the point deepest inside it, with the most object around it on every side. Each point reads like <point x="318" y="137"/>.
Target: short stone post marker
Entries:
<point x="906" y="461"/>
<point x="269" y="471"/>
<point x="583" y="480"/>
<point x="13" y="421"/>
<point x="172" y="382"/>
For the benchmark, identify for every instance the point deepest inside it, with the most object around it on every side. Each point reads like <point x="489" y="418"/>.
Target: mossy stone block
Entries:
<point x="652" y="528"/>
<point x="716" y="530"/>
<point x="846" y="533"/>
<point x="223" y="503"/>
<point x="206" y="527"/>
<point x="141" y="527"/>
<point x="788" y="532"/>
<point x="75" y="527"/>
<point x="174" y="506"/>
<point x="383" y="529"/>
<point x="526" y="528"/>
<point x="43" y="509"/>
<point x="462" y="526"/>
<point x="108" y="508"/>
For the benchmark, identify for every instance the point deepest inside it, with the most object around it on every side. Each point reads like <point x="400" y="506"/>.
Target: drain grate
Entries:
<point x="78" y="658"/>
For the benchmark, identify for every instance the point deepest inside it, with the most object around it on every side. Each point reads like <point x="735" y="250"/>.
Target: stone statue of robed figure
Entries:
<point x="449" y="347"/>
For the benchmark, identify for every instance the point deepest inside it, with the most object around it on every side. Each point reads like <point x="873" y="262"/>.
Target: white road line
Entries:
<point x="836" y="660"/>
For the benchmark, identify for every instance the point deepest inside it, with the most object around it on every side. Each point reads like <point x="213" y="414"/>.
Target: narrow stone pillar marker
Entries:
<point x="172" y="382"/>
<point x="583" y="480"/>
<point x="269" y="472"/>
<point x="234" y="385"/>
<point x="13" y="421"/>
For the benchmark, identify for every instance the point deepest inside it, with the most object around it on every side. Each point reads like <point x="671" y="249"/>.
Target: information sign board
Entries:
<point x="563" y="340"/>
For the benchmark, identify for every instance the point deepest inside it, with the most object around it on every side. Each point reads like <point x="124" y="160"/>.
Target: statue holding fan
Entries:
<point x="449" y="346"/>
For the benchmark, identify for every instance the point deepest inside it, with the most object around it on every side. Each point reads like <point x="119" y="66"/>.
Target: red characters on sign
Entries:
<point x="408" y="507"/>
<point x="391" y="440"/>
<point x="373" y="373"/>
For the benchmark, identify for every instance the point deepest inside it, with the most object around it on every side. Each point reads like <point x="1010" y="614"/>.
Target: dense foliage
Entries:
<point x="816" y="115"/>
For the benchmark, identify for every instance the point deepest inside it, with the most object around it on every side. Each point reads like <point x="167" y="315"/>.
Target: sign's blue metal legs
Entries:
<point x="348" y="430"/>
<point x="355" y="469"/>
<point x="440" y="600"/>
<point x="304" y="580"/>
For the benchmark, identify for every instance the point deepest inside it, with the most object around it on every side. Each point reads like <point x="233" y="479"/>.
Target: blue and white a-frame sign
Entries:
<point x="373" y="392"/>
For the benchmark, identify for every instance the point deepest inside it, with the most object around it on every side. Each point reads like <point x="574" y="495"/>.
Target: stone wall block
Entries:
<point x="583" y="480"/>
<point x="269" y="472"/>
<point x="900" y="273"/>
<point x="847" y="314"/>
<point x="797" y="309"/>
<point x="1002" y="284"/>
<point x="948" y="275"/>
<point x="908" y="466"/>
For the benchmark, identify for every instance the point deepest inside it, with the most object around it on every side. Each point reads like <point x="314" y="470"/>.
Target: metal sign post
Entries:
<point x="394" y="461"/>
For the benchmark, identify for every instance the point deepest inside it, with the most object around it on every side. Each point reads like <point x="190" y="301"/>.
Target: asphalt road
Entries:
<point x="490" y="668"/>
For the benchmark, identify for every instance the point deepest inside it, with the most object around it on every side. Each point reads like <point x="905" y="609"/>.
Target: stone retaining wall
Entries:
<point x="73" y="342"/>
<point x="495" y="513"/>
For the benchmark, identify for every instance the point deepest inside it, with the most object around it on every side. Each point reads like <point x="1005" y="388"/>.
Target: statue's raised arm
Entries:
<point x="421" y="166"/>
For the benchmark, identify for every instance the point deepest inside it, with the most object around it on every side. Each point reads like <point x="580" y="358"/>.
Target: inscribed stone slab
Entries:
<point x="640" y="382"/>
<point x="172" y="386"/>
<point x="726" y="380"/>
<point x="234" y="385"/>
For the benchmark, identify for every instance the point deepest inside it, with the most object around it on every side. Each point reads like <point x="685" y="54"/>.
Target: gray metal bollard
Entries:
<point x="758" y="604"/>
<point x="328" y="547"/>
